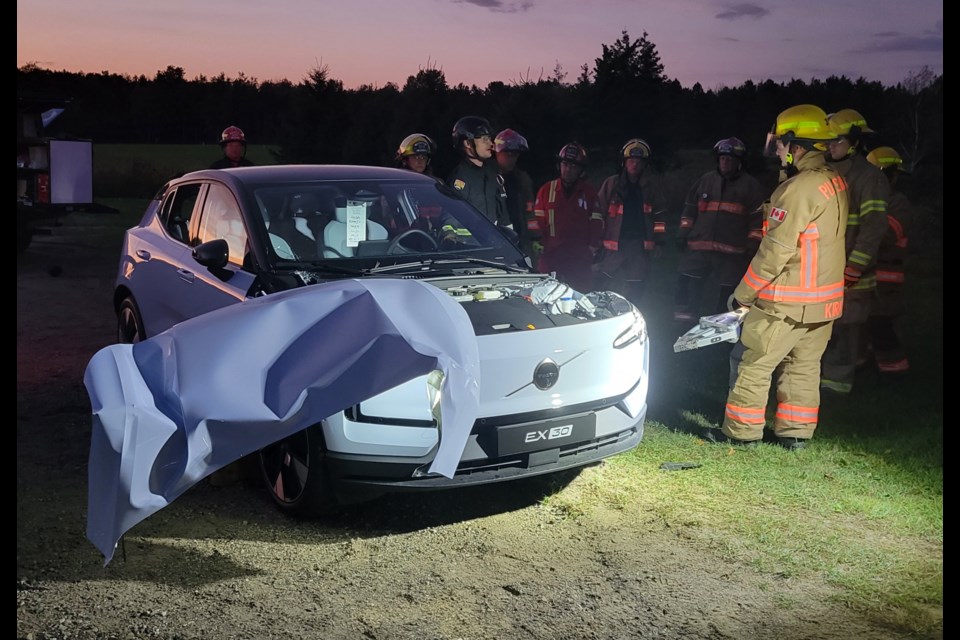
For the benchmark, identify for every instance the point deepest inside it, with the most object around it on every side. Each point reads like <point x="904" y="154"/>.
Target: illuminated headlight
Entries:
<point x="636" y="331"/>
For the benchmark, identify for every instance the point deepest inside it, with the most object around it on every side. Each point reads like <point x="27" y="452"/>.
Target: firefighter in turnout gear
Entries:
<point x="415" y="153"/>
<point x="568" y="220"/>
<point x="721" y="219"/>
<point x="475" y="177"/>
<point x="868" y="192"/>
<point x="633" y="225"/>
<point x="793" y="287"/>
<point x="883" y="333"/>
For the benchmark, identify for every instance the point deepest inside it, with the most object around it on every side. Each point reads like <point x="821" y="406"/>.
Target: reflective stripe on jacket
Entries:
<point x="893" y="249"/>
<point x="798" y="269"/>
<point x="564" y="218"/>
<point x="722" y="214"/>
<point x="868" y="191"/>
<point x="611" y="204"/>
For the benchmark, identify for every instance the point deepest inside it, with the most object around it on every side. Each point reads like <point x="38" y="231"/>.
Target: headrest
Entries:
<point x="304" y="205"/>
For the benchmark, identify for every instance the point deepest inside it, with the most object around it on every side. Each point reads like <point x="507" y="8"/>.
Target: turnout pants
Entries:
<point x="884" y="334"/>
<point x="840" y="358"/>
<point x="771" y="341"/>
<point x="624" y="271"/>
<point x="696" y="267"/>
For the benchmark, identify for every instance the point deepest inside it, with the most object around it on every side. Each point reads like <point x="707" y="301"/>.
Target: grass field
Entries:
<point x="861" y="508"/>
<point x="138" y="170"/>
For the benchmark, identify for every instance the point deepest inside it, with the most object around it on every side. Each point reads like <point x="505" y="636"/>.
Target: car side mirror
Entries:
<point x="214" y="255"/>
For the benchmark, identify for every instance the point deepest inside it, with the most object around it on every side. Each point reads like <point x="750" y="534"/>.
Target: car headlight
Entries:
<point x="434" y="386"/>
<point x="636" y="331"/>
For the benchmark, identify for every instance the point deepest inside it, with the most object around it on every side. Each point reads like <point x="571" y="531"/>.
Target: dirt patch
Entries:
<point x="222" y="562"/>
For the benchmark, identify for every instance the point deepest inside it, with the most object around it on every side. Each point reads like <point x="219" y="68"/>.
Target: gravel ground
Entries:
<point x="223" y="562"/>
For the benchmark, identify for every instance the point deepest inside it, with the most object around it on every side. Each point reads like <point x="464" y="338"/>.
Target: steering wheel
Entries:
<point x="395" y="243"/>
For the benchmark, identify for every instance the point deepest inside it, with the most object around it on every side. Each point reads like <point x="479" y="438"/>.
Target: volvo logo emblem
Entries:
<point x="546" y="374"/>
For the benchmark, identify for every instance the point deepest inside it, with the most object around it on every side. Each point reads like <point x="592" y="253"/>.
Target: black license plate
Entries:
<point x="546" y="434"/>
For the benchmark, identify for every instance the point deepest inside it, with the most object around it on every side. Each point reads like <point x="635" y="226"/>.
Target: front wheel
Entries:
<point x="294" y="471"/>
<point x="129" y="322"/>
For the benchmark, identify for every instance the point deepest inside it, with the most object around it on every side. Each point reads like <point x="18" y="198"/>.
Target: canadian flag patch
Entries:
<point x="778" y="214"/>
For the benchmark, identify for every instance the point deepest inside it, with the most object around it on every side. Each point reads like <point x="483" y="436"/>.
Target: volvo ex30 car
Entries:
<point x="564" y="374"/>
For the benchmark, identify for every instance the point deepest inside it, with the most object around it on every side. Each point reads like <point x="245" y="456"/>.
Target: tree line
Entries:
<point x="624" y="94"/>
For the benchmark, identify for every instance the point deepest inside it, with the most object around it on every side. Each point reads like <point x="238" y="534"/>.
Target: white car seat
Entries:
<point x="335" y="235"/>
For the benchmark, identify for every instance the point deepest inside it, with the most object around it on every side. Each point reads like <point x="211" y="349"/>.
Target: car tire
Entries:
<point x="294" y="471"/>
<point x="129" y="322"/>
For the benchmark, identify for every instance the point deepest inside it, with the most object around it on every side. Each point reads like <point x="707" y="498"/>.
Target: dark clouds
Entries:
<point x="929" y="40"/>
<point x="742" y="10"/>
<point x="500" y="6"/>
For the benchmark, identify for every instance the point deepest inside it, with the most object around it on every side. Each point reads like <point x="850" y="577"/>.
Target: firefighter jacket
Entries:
<point x="722" y="214"/>
<point x="893" y="248"/>
<point x="568" y="219"/>
<point x="868" y="191"/>
<point x="482" y="187"/>
<point x="613" y="195"/>
<point x="798" y="268"/>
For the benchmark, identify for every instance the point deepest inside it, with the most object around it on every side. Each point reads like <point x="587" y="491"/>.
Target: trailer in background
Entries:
<point x="54" y="174"/>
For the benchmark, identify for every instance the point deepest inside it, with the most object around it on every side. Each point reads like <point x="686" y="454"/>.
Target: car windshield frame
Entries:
<point x="355" y="224"/>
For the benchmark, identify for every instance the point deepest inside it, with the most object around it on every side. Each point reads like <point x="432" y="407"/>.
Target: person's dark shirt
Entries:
<point x="633" y="223"/>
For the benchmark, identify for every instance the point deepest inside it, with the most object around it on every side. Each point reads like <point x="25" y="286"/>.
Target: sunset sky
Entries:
<point x="475" y="42"/>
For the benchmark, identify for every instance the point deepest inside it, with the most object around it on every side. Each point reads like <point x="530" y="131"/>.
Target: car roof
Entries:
<point x="280" y="173"/>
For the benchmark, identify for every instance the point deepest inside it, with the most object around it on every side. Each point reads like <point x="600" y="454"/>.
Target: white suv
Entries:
<point x="563" y="375"/>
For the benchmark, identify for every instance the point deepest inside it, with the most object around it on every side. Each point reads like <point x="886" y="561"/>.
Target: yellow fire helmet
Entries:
<point x="636" y="148"/>
<point x="805" y="124"/>
<point x="416" y="144"/>
<point x="886" y="158"/>
<point x="848" y="123"/>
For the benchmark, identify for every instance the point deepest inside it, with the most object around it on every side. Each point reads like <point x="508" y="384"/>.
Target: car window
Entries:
<point x="221" y="219"/>
<point x="177" y="209"/>
<point x="375" y="219"/>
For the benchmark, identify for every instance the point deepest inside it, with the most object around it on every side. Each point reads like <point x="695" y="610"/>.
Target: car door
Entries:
<point x="202" y="289"/>
<point x="156" y="253"/>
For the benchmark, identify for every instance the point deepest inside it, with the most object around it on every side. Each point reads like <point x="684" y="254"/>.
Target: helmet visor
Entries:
<point x="770" y="146"/>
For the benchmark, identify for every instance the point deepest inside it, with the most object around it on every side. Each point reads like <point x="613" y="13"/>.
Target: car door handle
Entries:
<point x="186" y="276"/>
<point x="143" y="254"/>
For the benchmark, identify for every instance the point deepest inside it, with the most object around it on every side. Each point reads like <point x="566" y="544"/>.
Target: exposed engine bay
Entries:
<point x="497" y="305"/>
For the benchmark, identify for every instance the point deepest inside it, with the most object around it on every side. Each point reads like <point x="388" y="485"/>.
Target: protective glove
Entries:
<point x="851" y="276"/>
<point x="537" y="247"/>
<point x="733" y="304"/>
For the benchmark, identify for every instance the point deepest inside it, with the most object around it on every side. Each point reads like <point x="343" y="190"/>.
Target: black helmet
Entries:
<point x="730" y="147"/>
<point x="470" y="128"/>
